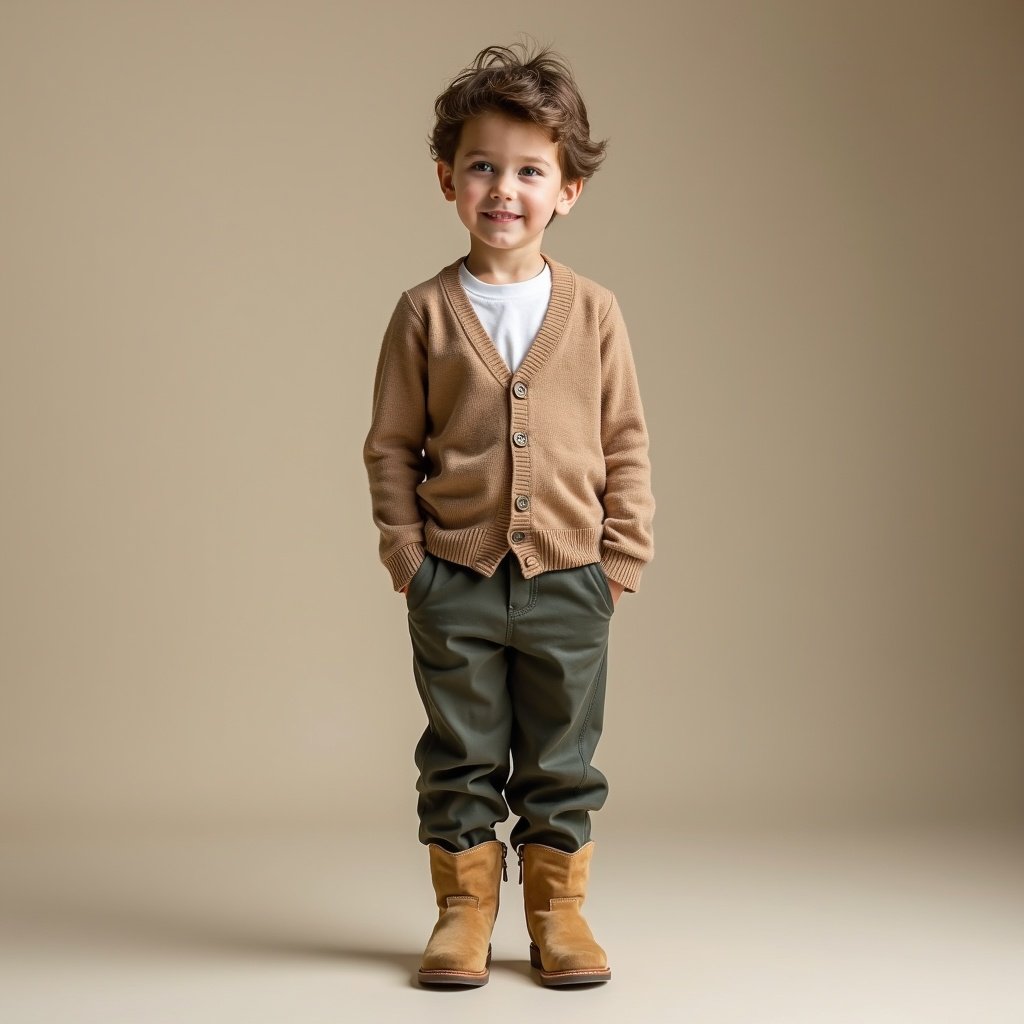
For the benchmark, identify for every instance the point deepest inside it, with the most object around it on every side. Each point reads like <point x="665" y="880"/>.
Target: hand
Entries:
<point x="405" y="589"/>
<point x="616" y="588"/>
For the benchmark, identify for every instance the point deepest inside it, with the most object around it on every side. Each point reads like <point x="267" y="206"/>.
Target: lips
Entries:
<point x="501" y="216"/>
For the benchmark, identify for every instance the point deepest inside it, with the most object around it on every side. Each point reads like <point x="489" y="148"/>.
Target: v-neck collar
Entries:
<point x="560" y="303"/>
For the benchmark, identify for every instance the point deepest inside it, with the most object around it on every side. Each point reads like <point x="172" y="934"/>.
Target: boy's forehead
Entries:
<point x="487" y="133"/>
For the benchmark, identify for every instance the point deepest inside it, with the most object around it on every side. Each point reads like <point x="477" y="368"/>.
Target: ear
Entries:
<point x="444" y="177"/>
<point x="568" y="195"/>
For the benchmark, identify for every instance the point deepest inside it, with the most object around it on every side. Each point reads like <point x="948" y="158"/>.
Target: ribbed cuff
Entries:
<point x="623" y="569"/>
<point x="403" y="564"/>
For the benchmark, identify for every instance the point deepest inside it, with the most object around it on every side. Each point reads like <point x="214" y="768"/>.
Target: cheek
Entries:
<point x="541" y="199"/>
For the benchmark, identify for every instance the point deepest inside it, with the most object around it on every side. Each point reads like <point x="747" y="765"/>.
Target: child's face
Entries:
<point x="506" y="183"/>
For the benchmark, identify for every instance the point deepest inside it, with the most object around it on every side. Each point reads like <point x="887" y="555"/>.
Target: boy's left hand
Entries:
<point x="616" y="588"/>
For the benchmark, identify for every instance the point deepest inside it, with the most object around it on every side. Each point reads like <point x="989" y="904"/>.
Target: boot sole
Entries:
<point x="554" y="979"/>
<point x="447" y="977"/>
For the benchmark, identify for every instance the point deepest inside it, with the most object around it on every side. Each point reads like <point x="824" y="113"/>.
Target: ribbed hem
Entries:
<point x="483" y="548"/>
<point x="460" y="546"/>
<point x="623" y="569"/>
<point x="403" y="564"/>
<point x="566" y="549"/>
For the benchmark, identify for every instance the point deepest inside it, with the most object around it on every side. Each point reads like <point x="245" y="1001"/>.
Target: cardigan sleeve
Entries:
<point x="627" y="544"/>
<point x="393" y="449"/>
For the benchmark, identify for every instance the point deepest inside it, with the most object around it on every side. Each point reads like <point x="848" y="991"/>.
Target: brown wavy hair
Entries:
<point x="535" y="86"/>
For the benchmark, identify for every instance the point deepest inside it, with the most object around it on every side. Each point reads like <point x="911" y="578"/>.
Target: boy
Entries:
<point x="510" y="481"/>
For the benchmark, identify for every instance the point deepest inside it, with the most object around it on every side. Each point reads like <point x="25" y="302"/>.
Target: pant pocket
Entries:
<point x="419" y="585"/>
<point x="597" y="571"/>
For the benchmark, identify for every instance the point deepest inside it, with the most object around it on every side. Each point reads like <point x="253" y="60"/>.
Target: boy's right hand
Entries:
<point x="405" y="589"/>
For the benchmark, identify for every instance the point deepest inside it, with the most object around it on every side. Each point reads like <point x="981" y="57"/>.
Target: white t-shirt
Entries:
<point x="511" y="314"/>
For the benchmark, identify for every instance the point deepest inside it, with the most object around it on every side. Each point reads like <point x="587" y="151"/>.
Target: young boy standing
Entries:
<point x="510" y="480"/>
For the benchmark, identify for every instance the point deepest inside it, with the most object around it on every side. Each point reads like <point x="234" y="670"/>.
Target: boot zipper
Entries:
<point x="504" y="862"/>
<point x="520" y="852"/>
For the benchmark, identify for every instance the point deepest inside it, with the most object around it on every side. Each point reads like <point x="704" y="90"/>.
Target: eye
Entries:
<point x="531" y="172"/>
<point x="481" y="165"/>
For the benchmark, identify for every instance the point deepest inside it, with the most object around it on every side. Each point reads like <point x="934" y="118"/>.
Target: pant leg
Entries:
<point x="458" y="624"/>
<point x="557" y="679"/>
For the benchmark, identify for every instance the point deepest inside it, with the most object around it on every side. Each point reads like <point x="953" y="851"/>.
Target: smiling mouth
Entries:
<point x="502" y="218"/>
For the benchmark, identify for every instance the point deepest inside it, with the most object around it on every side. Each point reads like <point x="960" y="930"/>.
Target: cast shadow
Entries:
<point x="166" y="933"/>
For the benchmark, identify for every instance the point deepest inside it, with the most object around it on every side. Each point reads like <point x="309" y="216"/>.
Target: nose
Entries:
<point x="503" y="187"/>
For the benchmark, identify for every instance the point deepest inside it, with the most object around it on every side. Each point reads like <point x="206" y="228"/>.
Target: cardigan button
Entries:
<point x="530" y="561"/>
<point x="518" y="536"/>
<point x="522" y="503"/>
<point x="519" y="439"/>
<point x="519" y="389"/>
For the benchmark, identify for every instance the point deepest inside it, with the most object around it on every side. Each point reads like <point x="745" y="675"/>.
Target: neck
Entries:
<point x="494" y="266"/>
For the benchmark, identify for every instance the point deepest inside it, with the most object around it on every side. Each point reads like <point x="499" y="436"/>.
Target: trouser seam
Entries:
<point x="586" y="721"/>
<point x="531" y="602"/>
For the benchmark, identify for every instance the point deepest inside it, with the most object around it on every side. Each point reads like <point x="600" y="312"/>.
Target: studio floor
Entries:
<point x="297" y="926"/>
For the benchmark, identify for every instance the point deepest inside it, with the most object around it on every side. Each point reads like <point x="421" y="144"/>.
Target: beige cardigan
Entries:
<point x="469" y="460"/>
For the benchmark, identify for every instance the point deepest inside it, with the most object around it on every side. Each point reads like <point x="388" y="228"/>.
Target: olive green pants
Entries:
<point x="512" y="674"/>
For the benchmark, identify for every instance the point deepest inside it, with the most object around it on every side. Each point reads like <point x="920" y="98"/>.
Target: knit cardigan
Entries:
<point x="468" y="460"/>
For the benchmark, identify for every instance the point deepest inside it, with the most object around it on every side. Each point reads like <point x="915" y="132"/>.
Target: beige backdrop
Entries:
<point x="813" y="218"/>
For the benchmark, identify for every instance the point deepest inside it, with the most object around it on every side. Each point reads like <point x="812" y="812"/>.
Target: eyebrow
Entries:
<point x="523" y="159"/>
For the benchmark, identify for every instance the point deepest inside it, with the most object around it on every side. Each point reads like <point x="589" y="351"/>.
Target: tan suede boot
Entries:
<point x="562" y="947"/>
<point x="467" y="885"/>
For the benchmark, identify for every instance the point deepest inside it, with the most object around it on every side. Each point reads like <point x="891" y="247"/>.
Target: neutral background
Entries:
<point x="812" y="215"/>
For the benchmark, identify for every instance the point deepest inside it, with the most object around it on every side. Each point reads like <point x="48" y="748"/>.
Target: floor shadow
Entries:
<point x="164" y="930"/>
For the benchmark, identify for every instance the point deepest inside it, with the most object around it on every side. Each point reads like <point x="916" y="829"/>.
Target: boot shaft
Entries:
<point x="469" y="875"/>
<point x="547" y="873"/>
